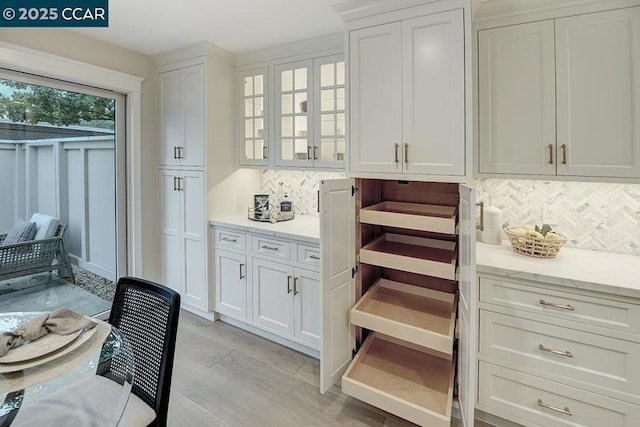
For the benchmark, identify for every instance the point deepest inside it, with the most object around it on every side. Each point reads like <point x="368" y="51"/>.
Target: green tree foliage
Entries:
<point x="33" y="104"/>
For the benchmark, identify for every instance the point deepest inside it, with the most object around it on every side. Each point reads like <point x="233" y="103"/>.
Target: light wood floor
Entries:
<point x="224" y="376"/>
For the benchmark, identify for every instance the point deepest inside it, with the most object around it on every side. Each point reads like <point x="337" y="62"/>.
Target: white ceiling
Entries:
<point x="156" y="26"/>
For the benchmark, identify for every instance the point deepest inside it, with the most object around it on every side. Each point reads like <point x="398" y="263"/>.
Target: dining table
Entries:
<point x="43" y="384"/>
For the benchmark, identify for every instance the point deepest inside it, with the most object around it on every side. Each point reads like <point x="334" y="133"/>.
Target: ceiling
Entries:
<point x="155" y="26"/>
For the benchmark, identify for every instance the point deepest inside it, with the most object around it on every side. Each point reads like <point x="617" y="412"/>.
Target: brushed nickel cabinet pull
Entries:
<point x="241" y="275"/>
<point x="175" y="152"/>
<point x="564" y="153"/>
<point x="288" y="284"/>
<point x="481" y="225"/>
<point x="271" y="248"/>
<point x="561" y="306"/>
<point x="550" y="154"/>
<point x="312" y="256"/>
<point x="566" y="353"/>
<point x="180" y="156"/>
<point x="175" y="185"/>
<point x="315" y="152"/>
<point x="264" y="151"/>
<point x="180" y="187"/>
<point x="295" y="286"/>
<point x="406" y="153"/>
<point x="309" y="152"/>
<point x="396" y="146"/>
<point x="564" y="410"/>
<point x="226" y="239"/>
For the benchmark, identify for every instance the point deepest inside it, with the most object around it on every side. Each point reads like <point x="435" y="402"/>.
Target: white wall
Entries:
<point x="82" y="48"/>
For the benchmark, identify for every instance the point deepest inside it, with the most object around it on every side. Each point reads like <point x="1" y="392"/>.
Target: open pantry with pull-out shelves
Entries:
<point x="408" y="247"/>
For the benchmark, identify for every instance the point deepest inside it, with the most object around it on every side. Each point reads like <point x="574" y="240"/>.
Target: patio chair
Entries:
<point x="36" y="256"/>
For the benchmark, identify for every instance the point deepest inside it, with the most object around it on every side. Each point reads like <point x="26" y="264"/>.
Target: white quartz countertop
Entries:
<point x="303" y="227"/>
<point x="590" y="270"/>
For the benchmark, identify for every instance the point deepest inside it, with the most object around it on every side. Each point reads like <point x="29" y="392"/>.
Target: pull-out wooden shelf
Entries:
<point x="419" y="255"/>
<point x="402" y="379"/>
<point x="434" y="218"/>
<point x="411" y="313"/>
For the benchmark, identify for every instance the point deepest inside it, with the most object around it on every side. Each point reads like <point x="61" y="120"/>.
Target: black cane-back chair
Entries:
<point x="147" y="315"/>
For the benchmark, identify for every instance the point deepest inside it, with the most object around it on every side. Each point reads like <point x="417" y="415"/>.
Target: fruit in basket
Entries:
<point x="534" y="233"/>
<point x="518" y="231"/>
<point x="553" y="236"/>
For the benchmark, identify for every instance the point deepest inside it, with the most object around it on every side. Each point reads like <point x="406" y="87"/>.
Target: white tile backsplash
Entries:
<point x="596" y="216"/>
<point x="301" y="186"/>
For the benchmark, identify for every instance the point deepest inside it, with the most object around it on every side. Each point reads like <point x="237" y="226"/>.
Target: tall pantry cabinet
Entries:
<point x="397" y="238"/>
<point x="197" y="102"/>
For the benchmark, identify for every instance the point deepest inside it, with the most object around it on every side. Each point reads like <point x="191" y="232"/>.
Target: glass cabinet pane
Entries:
<point x="300" y="78"/>
<point x="254" y="131"/>
<point x="287" y="80"/>
<point x="331" y="121"/>
<point x="327" y="75"/>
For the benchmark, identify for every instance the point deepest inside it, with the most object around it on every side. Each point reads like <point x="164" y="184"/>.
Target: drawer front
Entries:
<point x="557" y="304"/>
<point x="271" y="247"/>
<point x="532" y="401"/>
<point x="587" y="359"/>
<point x="228" y="239"/>
<point x="309" y="255"/>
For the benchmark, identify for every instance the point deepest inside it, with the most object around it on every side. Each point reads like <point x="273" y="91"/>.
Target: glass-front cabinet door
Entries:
<point x="293" y="107"/>
<point x="329" y="120"/>
<point x="253" y="126"/>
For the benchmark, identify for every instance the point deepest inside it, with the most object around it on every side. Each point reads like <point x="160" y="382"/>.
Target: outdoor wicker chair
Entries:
<point x="36" y="256"/>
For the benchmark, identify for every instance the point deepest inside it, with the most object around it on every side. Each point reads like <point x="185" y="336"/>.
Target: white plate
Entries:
<point x="38" y="348"/>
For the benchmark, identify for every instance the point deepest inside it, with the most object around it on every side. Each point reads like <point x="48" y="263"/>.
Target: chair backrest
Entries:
<point x="147" y="314"/>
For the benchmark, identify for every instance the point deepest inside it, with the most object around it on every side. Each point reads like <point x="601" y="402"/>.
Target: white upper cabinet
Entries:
<point x="182" y="117"/>
<point x="561" y="97"/>
<point x="253" y="128"/>
<point x="407" y="97"/>
<point x="598" y="94"/>
<point x="517" y="117"/>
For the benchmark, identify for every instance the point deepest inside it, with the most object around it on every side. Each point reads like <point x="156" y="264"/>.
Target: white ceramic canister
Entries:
<point x="492" y="218"/>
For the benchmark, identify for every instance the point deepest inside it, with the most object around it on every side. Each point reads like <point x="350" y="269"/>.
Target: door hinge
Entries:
<point x="354" y="270"/>
<point x="354" y="190"/>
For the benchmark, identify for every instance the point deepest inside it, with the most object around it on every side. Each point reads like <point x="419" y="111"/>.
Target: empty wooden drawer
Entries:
<point x="581" y="359"/>
<point x="434" y="218"/>
<point x="411" y="313"/>
<point x="419" y="255"/>
<point x="532" y="401"/>
<point x="403" y="380"/>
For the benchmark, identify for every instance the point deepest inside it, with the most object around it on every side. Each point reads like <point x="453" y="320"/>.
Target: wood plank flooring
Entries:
<point x="224" y="376"/>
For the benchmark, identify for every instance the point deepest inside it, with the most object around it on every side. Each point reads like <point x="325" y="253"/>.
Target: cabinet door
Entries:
<point x="195" y="284"/>
<point x="517" y="116"/>
<point x="293" y="107"/>
<point x="272" y="296"/>
<point x="170" y="117"/>
<point x="338" y="252"/>
<point x="192" y="92"/>
<point x="598" y="94"/>
<point x="433" y="116"/>
<point x="375" y="99"/>
<point x="307" y="306"/>
<point x="467" y="306"/>
<point x="171" y="211"/>
<point x="253" y="129"/>
<point x="330" y="112"/>
<point x="231" y="284"/>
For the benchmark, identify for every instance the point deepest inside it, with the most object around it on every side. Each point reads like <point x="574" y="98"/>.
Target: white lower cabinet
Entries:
<point x="231" y="283"/>
<point x="554" y="356"/>
<point x="269" y="283"/>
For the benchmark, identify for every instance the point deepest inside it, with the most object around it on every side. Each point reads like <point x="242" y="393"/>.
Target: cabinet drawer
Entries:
<point x="582" y="358"/>
<point x="563" y="305"/>
<point x="309" y="255"/>
<point x="533" y="401"/>
<point x="227" y="239"/>
<point x="402" y="379"/>
<point x="271" y="247"/>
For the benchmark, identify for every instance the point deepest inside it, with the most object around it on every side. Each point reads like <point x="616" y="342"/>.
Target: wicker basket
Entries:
<point x="535" y="246"/>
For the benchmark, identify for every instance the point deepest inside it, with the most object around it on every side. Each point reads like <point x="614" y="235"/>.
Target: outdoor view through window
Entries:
<point x="58" y="193"/>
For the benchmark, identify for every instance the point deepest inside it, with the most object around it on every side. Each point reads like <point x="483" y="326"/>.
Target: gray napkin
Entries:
<point x="61" y="321"/>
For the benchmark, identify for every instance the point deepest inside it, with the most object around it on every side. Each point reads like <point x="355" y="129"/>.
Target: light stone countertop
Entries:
<point x="574" y="268"/>
<point x="304" y="228"/>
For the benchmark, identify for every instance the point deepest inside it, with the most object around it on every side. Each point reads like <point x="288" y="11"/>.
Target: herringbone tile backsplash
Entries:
<point x="301" y="186"/>
<point x="596" y="216"/>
